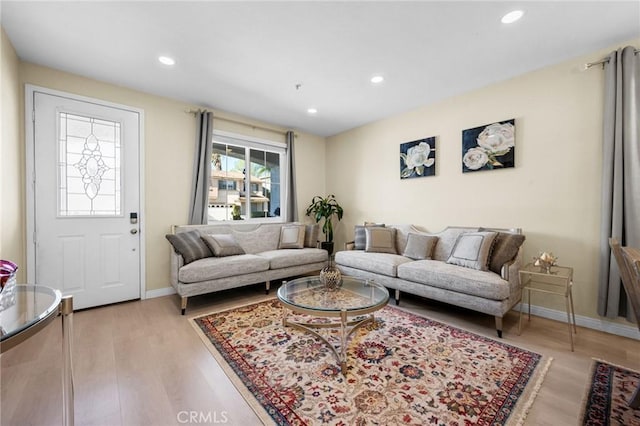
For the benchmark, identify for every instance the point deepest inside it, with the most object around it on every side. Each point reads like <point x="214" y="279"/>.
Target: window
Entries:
<point x="227" y="185"/>
<point x="229" y="198"/>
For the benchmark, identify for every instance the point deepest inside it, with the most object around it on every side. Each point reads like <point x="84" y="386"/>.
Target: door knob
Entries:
<point x="134" y="231"/>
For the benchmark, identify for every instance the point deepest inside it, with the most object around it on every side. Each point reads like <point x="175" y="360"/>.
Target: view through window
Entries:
<point x="241" y="192"/>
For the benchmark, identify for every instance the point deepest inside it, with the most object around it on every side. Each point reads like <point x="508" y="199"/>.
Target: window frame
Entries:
<point x="249" y="143"/>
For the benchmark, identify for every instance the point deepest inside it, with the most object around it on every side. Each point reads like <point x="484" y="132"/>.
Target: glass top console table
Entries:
<point x="558" y="281"/>
<point x="32" y="308"/>
<point x="352" y="304"/>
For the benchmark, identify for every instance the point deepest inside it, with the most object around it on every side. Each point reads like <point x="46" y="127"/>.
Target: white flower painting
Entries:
<point x="489" y="147"/>
<point x="418" y="158"/>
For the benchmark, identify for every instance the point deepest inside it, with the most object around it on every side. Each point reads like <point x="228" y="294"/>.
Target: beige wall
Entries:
<point x="11" y="159"/>
<point x="168" y="159"/>
<point x="553" y="193"/>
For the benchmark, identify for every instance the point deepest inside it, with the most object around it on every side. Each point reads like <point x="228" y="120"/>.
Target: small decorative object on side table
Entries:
<point x="545" y="261"/>
<point x="549" y="279"/>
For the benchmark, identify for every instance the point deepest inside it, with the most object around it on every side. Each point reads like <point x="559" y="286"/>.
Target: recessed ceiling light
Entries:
<point x="512" y="17"/>
<point x="312" y="111"/>
<point x="166" y="60"/>
<point x="377" y="79"/>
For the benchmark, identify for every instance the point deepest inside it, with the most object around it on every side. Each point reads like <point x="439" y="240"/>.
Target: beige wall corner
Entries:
<point x="12" y="223"/>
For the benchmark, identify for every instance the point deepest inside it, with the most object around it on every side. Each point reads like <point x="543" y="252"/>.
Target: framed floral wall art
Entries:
<point x="489" y="147"/>
<point x="418" y="158"/>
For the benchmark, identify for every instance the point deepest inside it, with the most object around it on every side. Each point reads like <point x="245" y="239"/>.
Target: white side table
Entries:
<point x="558" y="281"/>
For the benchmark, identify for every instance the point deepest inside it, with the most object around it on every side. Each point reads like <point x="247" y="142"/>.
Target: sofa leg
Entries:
<point x="397" y="297"/>
<point x="499" y="326"/>
<point x="183" y="304"/>
<point x="267" y="287"/>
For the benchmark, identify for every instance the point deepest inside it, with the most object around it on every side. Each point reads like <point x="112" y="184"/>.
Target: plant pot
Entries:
<point x="328" y="246"/>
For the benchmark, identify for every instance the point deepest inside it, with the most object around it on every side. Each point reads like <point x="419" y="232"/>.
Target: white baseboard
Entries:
<point x="159" y="292"/>
<point x="588" y="322"/>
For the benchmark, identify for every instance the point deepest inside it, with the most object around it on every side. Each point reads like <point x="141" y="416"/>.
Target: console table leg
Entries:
<point x="67" y="368"/>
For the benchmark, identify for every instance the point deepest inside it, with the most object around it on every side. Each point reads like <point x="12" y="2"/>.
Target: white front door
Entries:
<point x="86" y="199"/>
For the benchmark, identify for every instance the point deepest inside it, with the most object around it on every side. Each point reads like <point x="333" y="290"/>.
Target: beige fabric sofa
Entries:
<point x="263" y="260"/>
<point x="483" y="291"/>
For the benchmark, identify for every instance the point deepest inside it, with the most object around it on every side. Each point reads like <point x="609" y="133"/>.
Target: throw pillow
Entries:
<point x="360" y="236"/>
<point x="311" y="233"/>
<point x="419" y="246"/>
<point x="189" y="245"/>
<point x="472" y="250"/>
<point x="505" y="249"/>
<point x="222" y="244"/>
<point x="380" y="240"/>
<point x="292" y="236"/>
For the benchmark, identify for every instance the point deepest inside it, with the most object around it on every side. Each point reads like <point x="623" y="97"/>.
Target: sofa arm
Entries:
<point x="509" y="271"/>
<point x="350" y="245"/>
<point x="176" y="263"/>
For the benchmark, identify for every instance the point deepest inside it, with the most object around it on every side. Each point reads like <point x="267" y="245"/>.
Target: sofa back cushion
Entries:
<point x="420" y="246"/>
<point x="252" y="237"/>
<point x="189" y="245"/>
<point x="292" y="237"/>
<point x="360" y="235"/>
<point x="472" y="250"/>
<point x="311" y="234"/>
<point x="446" y="241"/>
<point x="222" y="244"/>
<point x="381" y="240"/>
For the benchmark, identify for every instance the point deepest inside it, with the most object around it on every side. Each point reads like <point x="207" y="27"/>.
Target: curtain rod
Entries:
<point x="602" y="61"/>
<point x="242" y="123"/>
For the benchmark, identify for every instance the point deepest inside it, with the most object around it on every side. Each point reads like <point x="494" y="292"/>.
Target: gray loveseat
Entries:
<point x="481" y="290"/>
<point x="260" y="254"/>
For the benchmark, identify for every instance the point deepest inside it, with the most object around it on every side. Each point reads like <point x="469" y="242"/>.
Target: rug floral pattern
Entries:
<point x="607" y="399"/>
<point x="402" y="369"/>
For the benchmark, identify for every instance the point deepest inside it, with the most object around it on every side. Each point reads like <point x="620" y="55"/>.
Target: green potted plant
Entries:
<point x="325" y="208"/>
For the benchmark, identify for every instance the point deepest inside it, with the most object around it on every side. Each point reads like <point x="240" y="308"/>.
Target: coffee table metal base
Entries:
<point x="345" y="327"/>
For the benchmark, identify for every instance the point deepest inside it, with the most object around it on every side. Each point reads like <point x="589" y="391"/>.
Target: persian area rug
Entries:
<point x="606" y="399"/>
<point x="401" y="369"/>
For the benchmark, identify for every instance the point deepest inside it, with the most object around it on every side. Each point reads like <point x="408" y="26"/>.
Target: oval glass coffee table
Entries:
<point x="356" y="299"/>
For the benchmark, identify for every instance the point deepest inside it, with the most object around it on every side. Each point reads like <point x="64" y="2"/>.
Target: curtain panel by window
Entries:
<point x="620" y="174"/>
<point x="292" y="203"/>
<point x="199" y="205"/>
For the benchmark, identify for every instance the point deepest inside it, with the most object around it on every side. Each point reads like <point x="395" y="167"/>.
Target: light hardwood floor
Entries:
<point x="141" y="363"/>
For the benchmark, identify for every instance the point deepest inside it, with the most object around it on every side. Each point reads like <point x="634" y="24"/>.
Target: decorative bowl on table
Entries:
<point x="331" y="277"/>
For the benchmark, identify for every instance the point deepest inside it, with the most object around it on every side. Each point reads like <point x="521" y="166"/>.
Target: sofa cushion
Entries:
<point x="311" y="233"/>
<point x="379" y="263"/>
<point x="222" y="267"/>
<point x="292" y="237"/>
<point x="189" y="245"/>
<point x="420" y="246"/>
<point x="472" y="250"/>
<point x="381" y="240"/>
<point x="360" y="235"/>
<point x="222" y="245"/>
<point x="446" y="241"/>
<point x="435" y="273"/>
<point x="285" y="258"/>
<point x="505" y="248"/>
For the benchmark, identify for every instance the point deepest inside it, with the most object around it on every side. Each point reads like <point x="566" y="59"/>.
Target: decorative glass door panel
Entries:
<point x="89" y="177"/>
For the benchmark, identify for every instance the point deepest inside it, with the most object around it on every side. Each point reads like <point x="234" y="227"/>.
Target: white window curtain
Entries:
<point x="620" y="175"/>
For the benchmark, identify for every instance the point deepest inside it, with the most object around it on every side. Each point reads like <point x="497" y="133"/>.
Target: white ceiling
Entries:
<point x="247" y="57"/>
